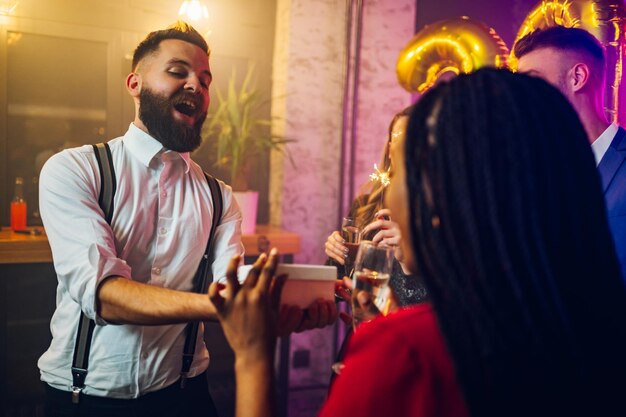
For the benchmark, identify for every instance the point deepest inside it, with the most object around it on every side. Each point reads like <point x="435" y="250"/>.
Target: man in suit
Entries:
<point x="574" y="61"/>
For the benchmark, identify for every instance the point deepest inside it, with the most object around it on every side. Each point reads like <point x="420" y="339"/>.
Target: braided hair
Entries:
<point x="509" y="231"/>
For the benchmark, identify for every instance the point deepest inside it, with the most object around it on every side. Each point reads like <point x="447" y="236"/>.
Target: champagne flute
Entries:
<point x="372" y="270"/>
<point x="351" y="234"/>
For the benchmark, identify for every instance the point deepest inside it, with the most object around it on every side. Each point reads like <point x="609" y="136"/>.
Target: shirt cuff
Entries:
<point x="109" y="267"/>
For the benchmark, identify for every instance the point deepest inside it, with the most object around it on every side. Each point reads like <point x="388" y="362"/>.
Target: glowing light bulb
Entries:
<point x="194" y="10"/>
<point x="8" y="6"/>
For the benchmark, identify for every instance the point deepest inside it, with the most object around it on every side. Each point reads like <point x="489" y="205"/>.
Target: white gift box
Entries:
<point x="305" y="283"/>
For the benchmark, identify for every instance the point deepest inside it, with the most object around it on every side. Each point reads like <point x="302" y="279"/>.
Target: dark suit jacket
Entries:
<point x="613" y="174"/>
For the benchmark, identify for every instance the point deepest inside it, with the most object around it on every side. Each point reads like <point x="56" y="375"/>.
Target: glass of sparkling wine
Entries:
<point x="351" y="233"/>
<point x="372" y="270"/>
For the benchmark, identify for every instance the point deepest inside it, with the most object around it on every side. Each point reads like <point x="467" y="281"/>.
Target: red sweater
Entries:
<point x="397" y="366"/>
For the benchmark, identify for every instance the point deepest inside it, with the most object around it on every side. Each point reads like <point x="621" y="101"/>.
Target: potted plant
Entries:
<point x="240" y="134"/>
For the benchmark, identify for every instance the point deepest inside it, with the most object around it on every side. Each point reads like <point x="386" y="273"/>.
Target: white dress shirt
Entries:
<point x="160" y="227"/>
<point x="600" y="145"/>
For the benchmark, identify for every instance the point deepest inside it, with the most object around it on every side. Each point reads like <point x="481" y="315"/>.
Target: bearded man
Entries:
<point x="134" y="274"/>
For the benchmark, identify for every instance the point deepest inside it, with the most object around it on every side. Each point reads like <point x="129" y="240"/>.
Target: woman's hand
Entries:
<point x="248" y="312"/>
<point x="343" y="289"/>
<point x="335" y="248"/>
<point x="343" y="292"/>
<point x="388" y="232"/>
<point x="363" y="307"/>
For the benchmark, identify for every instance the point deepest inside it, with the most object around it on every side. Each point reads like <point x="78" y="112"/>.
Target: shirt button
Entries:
<point x="156" y="271"/>
<point x="163" y="230"/>
<point x="163" y="194"/>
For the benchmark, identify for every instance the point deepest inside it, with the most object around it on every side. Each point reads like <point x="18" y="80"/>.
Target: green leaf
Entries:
<point x="236" y="128"/>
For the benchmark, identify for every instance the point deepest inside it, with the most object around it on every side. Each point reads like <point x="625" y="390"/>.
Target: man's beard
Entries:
<point x="155" y="112"/>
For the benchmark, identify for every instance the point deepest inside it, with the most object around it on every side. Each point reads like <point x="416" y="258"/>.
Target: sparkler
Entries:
<point x="380" y="176"/>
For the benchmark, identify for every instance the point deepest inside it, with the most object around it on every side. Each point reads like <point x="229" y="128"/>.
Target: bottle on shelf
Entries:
<point x="18" y="206"/>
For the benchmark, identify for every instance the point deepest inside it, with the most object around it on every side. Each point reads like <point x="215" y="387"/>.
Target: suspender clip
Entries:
<point x="76" y="394"/>
<point x="78" y="383"/>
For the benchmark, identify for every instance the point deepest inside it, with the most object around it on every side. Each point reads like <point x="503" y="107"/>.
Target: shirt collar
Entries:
<point x="145" y="148"/>
<point x="600" y="145"/>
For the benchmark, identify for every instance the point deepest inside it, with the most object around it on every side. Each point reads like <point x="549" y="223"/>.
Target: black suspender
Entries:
<point x="108" y="182"/>
<point x="202" y="279"/>
<point x="108" y="185"/>
<point x="204" y="276"/>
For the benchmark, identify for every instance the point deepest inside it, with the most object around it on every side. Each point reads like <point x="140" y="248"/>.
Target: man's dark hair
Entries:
<point x="179" y="30"/>
<point x="561" y="38"/>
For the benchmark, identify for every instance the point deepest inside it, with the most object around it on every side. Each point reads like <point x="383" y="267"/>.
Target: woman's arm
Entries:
<point x="249" y="313"/>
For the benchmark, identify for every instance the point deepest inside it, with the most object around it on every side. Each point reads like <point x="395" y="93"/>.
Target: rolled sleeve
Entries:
<point x="227" y="235"/>
<point x="82" y="242"/>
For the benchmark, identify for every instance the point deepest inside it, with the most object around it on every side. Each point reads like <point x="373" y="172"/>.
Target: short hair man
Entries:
<point x="138" y="272"/>
<point x="574" y="61"/>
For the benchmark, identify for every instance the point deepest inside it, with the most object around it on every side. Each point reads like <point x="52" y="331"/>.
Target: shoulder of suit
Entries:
<point x="619" y="140"/>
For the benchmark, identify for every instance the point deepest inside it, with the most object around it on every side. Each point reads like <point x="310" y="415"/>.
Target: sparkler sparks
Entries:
<point x="380" y="176"/>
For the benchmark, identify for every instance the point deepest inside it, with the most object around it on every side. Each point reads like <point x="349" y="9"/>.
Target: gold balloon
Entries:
<point x="454" y="45"/>
<point x="604" y="19"/>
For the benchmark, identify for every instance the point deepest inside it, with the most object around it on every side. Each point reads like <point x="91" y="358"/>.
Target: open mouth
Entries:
<point x="186" y="107"/>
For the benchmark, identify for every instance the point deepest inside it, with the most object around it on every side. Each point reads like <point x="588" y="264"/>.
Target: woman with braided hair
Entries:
<point x="501" y="208"/>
